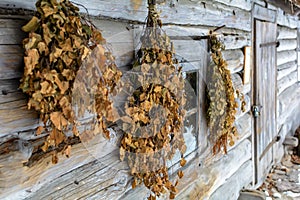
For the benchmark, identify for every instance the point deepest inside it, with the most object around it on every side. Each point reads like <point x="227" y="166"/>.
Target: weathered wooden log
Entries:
<point x="233" y="39"/>
<point x="238" y="84"/>
<point x="192" y="13"/>
<point x="286" y="20"/>
<point x="287" y="65"/>
<point x="286" y="57"/>
<point x="15" y="117"/>
<point x="203" y="182"/>
<point x="284" y="71"/>
<point x="81" y="169"/>
<point x="230" y="189"/>
<point x="11" y="61"/>
<point x="10" y="30"/>
<point x="286" y="45"/>
<point x="235" y="60"/>
<point x="286" y="82"/>
<point x="286" y="33"/>
<point x="288" y="104"/>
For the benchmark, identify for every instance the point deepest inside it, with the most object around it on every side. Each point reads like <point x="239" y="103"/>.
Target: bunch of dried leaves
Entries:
<point x="162" y="86"/>
<point x="222" y="104"/>
<point x="58" y="43"/>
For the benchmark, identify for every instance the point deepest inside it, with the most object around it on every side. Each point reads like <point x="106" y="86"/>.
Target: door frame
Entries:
<point x="266" y="15"/>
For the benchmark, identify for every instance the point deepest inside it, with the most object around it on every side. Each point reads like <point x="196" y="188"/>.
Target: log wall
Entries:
<point x="83" y="176"/>
<point x="288" y="91"/>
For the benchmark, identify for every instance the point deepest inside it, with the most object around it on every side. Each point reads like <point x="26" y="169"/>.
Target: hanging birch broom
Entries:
<point x="161" y="84"/>
<point x="222" y="104"/>
<point x="58" y="43"/>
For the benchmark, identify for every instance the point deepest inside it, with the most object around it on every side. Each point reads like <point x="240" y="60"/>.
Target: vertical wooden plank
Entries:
<point x="265" y="96"/>
<point x="298" y="53"/>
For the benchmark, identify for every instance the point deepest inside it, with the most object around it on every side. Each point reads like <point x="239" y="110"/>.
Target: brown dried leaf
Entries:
<point x="39" y="130"/>
<point x="54" y="158"/>
<point x="180" y="174"/>
<point x="56" y="137"/>
<point x="68" y="151"/>
<point x="58" y="120"/>
<point x="182" y="162"/>
<point x="31" y="61"/>
<point x="46" y="88"/>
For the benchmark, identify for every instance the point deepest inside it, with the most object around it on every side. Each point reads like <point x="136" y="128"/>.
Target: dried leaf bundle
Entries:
<point x="222" y="104"/>
<point x="58" y="43"/>
<point x="153" y="118"/>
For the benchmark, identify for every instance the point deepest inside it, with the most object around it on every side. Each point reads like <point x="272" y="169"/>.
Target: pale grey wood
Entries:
<point x="271" y="6"/>
<point x="259" y="2"/>
<point x="98" y="177"/>
<point x="187" y="12"/>
<point x="233" y="38"/>
<point x="120" y="39"/>
<point x="10" y="30"/>
<point x="298" y="52"/>
<point x="237" y="82"/>
<point x="286" y="71"/>
<point x="286" y="57"/>
<point x="286" y="45"/>
<point x="11" y="61"/>
<point x="287" y="65"/>
<point x="15" y="117"/>
<point x="231" y="189"/>
<point x="288" y="102"/>
<point x="243" y="4"/>
<point x="264" y="97"/>
<point x="286" y="19"/>
<point x="234" y="59"/>
<point x="9" y="91"/>
<point x="243" y="125"/>
<point x="210" y="177"/>
<point x="287" y="81"/>
<point x="32" y="179"/>
<point x="237" y="41"/>
<point x="286" y="33"/>
<point x="262" y="13"/>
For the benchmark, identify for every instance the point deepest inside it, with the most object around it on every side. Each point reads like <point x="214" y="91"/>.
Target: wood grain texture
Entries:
<point x="205" y="180"/>
<point x="287" y="81"/>
<point x="286" y="33"/>
<point x="231" y="189"/>
<point x="281" y="73"/>
<point x="286" y="65"/>
<point x="234" y="59"/>
<point x="83" y="177"/>
<point x="263" y="13"/>
<point x="286" y="20"/>
<point x="15" y="117"/>
<point x="187" y="12"/>
<point x="11" y="61"/>
<point x="286" y="57"/>
<point x="288" y="99"/>
<point x="287" y="44"/>
<point x="264" y="97"/>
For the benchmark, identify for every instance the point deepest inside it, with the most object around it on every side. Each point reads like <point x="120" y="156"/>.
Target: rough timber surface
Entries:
<point x="83" y="177"/>
<point x="187" y="12"/>
<point x="229" y="190"/>
<point x="211" y="177"/>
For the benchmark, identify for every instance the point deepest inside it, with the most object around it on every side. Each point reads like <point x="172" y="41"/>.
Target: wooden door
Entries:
<point x="264" y="97"/>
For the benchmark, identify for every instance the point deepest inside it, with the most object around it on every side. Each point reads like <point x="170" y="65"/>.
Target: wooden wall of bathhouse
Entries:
<point x="107" y="178"/>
